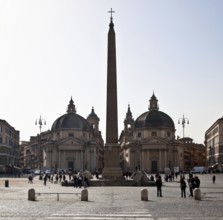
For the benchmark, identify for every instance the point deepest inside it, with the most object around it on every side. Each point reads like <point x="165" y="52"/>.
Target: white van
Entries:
<point x="199" y="170"/>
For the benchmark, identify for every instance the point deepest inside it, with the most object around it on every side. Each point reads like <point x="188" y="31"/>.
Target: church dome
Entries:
<point x="154" y="118"/>
<point x="71" y="120"/>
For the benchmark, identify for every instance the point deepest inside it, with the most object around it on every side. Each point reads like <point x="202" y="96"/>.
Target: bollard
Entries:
<point x="31" y="195"/>
<point x="197" y="194"/>
<point x="84" y="195"/>
<point x="144" y="195"/>
<point x="6" y="183"/>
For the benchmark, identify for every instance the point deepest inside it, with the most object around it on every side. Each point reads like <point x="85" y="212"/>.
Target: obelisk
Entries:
<point x="112" y="169"/>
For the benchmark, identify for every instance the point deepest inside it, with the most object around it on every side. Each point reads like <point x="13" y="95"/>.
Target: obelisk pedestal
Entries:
<point x="112" y="168"/>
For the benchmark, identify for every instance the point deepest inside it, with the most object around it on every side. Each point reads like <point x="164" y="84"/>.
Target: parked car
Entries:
<point x="27" y="171"/>
<point x="37" y="172"/>
<point x="48" y="172"/>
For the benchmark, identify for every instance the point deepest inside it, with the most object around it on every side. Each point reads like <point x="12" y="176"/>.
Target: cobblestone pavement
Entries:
<point x="109" y="202"/>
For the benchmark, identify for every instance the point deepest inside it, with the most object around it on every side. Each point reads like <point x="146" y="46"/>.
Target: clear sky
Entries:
<point x="51" y="50"/>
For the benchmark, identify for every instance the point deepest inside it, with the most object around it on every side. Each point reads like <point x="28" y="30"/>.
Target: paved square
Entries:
<point x="110" y="202"/>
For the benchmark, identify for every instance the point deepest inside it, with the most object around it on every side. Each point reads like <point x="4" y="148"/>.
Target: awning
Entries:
<point x="17" y="168"/>
<point x="214" y="165"/>
<point x="13" y="167"/>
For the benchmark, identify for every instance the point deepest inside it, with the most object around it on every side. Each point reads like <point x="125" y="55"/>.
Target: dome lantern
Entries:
<point x="71" y="106"/>
<point x="153" y="103"/>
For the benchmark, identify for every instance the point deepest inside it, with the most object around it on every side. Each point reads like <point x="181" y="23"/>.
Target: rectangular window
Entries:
<point x="153" y="133"/>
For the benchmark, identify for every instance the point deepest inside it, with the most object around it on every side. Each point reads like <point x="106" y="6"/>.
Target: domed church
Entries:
<point x="74" y="143"/>
<point x="148" y="143"/>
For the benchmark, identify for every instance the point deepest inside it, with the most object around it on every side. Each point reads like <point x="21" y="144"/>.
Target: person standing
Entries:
<point x="183" y="186"/>
<point x="159" y="186"/>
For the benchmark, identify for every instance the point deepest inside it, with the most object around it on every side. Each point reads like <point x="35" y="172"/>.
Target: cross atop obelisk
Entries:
<point x="111" y="13"/>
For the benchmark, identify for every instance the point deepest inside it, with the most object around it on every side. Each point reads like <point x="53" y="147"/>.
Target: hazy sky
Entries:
<point x="52" y="50"/>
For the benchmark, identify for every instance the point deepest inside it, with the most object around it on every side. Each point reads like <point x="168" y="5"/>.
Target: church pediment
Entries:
<point x="155" y="140"/>
<point x="70" y="141"/>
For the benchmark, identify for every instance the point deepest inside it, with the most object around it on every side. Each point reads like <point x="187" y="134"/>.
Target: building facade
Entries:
<point x="191" y="154"/>
<point x="9" y="147"/>
<point x="214" y="146"/>
<point x="148" y="142"/>
<point x="33" y="152"/>
<point x="73" y="143"/>
<point x="22" y="153"/>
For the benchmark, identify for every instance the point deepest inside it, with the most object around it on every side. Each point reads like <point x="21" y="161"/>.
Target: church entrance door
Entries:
<point x="71" y="165"/>
<point x="154" y="166"/>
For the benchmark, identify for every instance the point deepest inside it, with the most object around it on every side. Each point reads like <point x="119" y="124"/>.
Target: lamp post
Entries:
<point x="40" y="121"/>
<point x="183" y="121"/>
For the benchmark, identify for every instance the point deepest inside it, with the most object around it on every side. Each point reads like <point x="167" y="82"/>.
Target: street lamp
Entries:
<point x="183" y="121"/>
<point x="40" y="121"/>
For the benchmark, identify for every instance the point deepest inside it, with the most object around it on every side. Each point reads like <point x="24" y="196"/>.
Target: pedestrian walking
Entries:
<point x="79" y="181"/>
<point x="51" y="178"/>
<point x="85" y="182"/>
<point x="197" y="182"/>
<point x="45" y="179"/>
<point x="60" y="177"/>
<point x="97" y="174"/>
<point x="213" y="179"/>
<point x="64" y="177"/>
<point x="30" y="179"/>
<point x="192" y="184"/>
<point x="75" y="180"/>
<point x="159" y="186"/>
<point x="57" y="178"/>
<point x="183" y="186"/>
